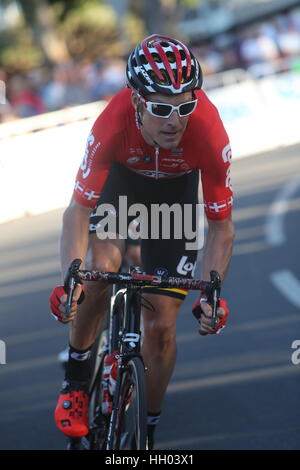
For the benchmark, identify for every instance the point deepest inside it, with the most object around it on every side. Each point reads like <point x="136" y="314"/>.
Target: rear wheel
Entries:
<point x="130" y="431"/>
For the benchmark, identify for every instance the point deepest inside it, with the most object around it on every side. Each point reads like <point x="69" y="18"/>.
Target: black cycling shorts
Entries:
<point x="162" y="256"/>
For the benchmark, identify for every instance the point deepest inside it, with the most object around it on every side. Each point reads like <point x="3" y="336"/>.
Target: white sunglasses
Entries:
<point x="165" y="110"/>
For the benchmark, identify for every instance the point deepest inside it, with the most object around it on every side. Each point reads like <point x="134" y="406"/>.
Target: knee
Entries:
<point x="160" y="336"/>
<point x="160" y="324"/>
<point x="103" y="263"/>
<point x="100" y="290"/>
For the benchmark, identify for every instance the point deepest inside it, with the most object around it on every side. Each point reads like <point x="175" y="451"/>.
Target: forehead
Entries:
<point x="172" y="99"/>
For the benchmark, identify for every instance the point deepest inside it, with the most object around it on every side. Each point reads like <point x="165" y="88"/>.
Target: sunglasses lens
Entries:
<point x="187" y="108"/>
<point x="162" y="110"/>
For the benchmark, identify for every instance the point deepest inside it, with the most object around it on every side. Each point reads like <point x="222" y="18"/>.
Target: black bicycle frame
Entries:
<point x="130" y="346"/>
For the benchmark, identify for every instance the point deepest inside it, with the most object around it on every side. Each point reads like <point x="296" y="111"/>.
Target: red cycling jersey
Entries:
<point x="115" y="136"/>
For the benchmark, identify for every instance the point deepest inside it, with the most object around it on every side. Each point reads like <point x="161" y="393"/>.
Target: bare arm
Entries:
<point x="217" y="256"/>
<point x="218" y="247"/>
<point x="74" y="236"/>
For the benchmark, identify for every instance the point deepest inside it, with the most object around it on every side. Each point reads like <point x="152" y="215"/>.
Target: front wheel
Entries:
<point x="130" y="429"/>
<point x="98" y="422"/>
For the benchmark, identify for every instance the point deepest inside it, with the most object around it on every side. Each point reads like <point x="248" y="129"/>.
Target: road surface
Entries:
<point x="236" y="390"/>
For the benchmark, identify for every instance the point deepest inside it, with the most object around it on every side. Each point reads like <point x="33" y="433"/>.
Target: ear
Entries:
<point x="134" y="100"/>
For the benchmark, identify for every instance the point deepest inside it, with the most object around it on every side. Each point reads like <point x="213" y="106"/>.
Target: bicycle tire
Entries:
<point x="98" y="422"/>
<point x="130" y="430"/>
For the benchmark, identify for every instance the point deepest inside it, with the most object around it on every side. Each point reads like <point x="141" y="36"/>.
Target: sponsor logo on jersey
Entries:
<point x="185" y="167"/>
<point x="136" y="151"/>
<point x="185" y="267"/>
<point x="228" y="182"/>
<point x="226" y="153"/>
<point x="177" y="152"/>
<point x="90" y="151"/>
<point x="154" y="174"/>
<point x="230" y="201"/>
<point x="173" y="160"/>
<point x="170" y="165"/>
<point x="163" y="272"/>
<point x="132" y="160"/>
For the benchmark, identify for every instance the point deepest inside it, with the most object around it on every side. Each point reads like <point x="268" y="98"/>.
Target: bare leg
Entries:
<point x="104" y="256"/>
<point x="159" y="347"/>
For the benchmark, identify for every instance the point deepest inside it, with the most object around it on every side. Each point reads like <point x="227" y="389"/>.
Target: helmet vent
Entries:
<point x="171" y="57"/>
<point x="156" y="57"/>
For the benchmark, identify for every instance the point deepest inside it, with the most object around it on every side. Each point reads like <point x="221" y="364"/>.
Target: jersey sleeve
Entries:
<point x="216" y="176"/>
<point x="100" y="152"/>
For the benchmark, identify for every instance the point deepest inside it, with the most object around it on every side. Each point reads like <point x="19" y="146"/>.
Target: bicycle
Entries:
<point x="125" y="426"/>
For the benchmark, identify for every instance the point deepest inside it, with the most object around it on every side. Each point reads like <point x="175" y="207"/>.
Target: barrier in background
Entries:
<point x="260" y="115"/>
<point x="40" y="156"/>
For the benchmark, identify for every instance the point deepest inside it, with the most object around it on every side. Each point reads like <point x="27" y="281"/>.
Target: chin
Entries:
<point x="171" y="144"/>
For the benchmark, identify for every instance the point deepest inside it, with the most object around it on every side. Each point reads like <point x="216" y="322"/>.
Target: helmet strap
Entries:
<point x="138" y="112"/>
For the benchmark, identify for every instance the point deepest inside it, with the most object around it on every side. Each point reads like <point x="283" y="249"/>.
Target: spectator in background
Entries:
<point x="289" y="41"/>
<point x="23" y="98"/>
<point x="250" y="50"/>
<point x="66" y="88"/>
<point x="256" y="49"/>
<point x="111" y="79"/>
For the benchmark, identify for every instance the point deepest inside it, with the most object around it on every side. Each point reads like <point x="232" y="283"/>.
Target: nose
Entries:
<point x="174" y="118"/>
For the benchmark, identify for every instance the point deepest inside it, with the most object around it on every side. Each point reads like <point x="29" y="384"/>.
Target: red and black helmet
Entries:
<point x="160" y="64"/>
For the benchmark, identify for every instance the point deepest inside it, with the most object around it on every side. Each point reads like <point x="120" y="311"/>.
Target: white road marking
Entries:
<point x="274" y="231"/>
<point x="289" y="286"/>
<point x="284" y="280"/>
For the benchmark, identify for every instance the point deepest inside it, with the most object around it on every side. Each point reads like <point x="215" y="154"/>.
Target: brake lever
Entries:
<point x="214" y="296"/>
<point x="71" y="280"/>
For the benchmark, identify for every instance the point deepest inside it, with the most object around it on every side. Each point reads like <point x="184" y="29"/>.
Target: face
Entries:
<point x="166" y="132"/>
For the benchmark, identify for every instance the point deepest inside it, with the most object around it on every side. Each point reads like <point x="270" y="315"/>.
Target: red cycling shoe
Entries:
<point x="71" y="412"/>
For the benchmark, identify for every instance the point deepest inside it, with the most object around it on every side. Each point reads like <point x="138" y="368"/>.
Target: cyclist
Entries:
<point x="148" y="144"/>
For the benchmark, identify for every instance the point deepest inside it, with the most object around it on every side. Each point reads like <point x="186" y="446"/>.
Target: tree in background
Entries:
<point x="49" y="32"/>
<point x="162" y="16"/>
<point x="40" y="18"/>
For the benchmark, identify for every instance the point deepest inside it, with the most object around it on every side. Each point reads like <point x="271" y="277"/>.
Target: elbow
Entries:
<point x="75" y="210"/>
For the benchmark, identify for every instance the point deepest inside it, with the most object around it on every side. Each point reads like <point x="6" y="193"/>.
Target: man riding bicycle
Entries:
<point x="148" y="145"/>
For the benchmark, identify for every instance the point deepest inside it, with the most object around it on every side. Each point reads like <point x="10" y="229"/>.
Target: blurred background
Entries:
<point x="60" y="63"/>
<point x="56" y="53"/>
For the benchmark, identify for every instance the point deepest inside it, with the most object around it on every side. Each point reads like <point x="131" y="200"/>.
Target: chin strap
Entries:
<point x="139" y="122"/>
<point x="138" y="119"/>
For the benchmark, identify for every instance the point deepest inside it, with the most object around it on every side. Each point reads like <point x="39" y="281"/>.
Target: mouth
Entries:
<point x="170" y="134"/>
